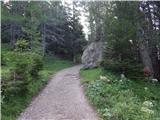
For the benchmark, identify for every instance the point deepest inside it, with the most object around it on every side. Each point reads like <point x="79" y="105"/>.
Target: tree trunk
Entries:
<point x="155" y="63"/>
<point x="146" y="58"/>
<point x="152" y="41"/>
<point x="144" y="52"/>
<point x="92" y="26"/>
<point x="13" y="40"/>
<point x="31" y="36"/>
<point x="43" y="38"/>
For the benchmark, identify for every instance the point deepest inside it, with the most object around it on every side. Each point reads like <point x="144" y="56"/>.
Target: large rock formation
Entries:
<point x="92" y="55"/>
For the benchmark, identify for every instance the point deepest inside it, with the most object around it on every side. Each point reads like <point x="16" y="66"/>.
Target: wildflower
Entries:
<point x="120" y="81"/>
<point x="103" y="77"/>
<point x="107" y="112"/>
<point x="148" y="104"/>
<point x="123" y="77"/>
<point x="145" y="88"/>
<point x="108" y="80"/>
<point x="131" y="41"/>
<point x="147" y="110"/>
<point x="154" y="80"/>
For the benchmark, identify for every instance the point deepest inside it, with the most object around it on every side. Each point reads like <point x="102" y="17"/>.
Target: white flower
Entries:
<point x="115" y="17"/>
<point x="131" y="41"/>
<point x="154" y="80"/>
<point x="148" y="104"/>
<point x="147" y="110"/>
<point x="108" y="80"/>
<point x="103" y="77"/>
<point x="120" y="81"/>
<point x="107" y="112"/>
<point x="123" y="77"/>
<point x="145" y="88"/>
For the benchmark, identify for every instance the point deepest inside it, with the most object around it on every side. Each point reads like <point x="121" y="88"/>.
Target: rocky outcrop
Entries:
<point x="92" y="55"/>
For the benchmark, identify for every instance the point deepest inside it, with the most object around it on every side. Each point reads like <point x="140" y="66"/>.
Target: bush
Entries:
<point x="130" y="68"/>
<point x="27" y="63"/>
<point x="22" y="45"/>
<point x="12" y="87"/>
<point x="118" y="98"/>
<point x="19" y="74"/>
<point x="114" y="103"/>
<point x="5" y="48"/>
<point x="37" y="64"/>
<point x="25" y="67"/>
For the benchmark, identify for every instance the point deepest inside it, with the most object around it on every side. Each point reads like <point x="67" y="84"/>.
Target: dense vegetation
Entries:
<point x="34" y="33"/>
<point x="126" y="86"/>
<point x="46" y="26"/>
<point x="18" y="92"/>
<point x="121" y="99"/>
<point x="130" y="33"/>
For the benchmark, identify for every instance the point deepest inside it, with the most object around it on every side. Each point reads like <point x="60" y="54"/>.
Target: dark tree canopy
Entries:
<point x="46" y="25"/>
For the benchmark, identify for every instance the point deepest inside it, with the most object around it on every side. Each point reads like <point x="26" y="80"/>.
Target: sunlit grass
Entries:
<point x="90" y="75"/>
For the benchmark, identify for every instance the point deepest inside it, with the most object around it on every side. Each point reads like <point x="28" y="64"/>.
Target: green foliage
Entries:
<point x="5" y="48"/>
<point x="22" y="45"/>
<point x="2" y="59"/>
<point x="122" y="99"/>
<point x="25" y="66"/>
<point x="47" y="26"/>
<point x="22" y="72"/>
<point x="130" y="68"/>
<point x="37" y="64"/>
<point x="11" y="87"/>
<point x="90" y="75"/>
<point x="120" y="53"/>
<point x="13" y="106"/>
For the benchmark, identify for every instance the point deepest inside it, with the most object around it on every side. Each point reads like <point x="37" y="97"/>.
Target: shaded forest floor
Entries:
<point x="16" y="104"/>
<point x="121" y="99"/>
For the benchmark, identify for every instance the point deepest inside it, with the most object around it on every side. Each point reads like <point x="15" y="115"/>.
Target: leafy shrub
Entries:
<point x="19" y="74"/>
<point x="116" y="101"/>
<point x="25" y="66"/>
<point x="12" y="87"/>
<point x="4" y="49"/>
<point x="37" y="64"/>
<point x="22" y="45"/>
<point x="131" y="69"/>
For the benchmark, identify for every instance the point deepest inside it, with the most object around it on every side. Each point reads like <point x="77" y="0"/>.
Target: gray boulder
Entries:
<point x="92" y="55"/>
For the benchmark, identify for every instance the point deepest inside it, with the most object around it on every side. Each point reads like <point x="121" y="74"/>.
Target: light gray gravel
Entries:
<point x="61" y="99"/>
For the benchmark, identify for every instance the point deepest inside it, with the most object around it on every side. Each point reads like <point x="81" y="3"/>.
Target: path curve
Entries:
<point x="61" y="99"/>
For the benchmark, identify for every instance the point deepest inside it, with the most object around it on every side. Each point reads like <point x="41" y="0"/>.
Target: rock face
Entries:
<point x="92" y="55"/>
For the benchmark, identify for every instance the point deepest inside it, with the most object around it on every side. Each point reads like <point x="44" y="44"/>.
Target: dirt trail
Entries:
<point x="61" y="99"/>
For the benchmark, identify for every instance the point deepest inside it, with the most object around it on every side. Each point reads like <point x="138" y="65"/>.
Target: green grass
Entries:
<point x="15" y="105"/>
<point x="90" y="75"/>
<point x="121" y="100"/>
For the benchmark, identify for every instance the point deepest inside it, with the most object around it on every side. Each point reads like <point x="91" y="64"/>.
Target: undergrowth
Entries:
<point x="12" y="107"/>
<point x="122" y="99"/>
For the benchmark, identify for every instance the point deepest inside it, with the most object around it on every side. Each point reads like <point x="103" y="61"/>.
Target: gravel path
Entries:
<point x="61" y="99"/>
